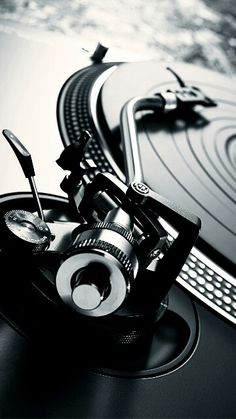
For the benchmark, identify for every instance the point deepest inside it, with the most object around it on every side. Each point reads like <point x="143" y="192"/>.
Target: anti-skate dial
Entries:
<point x="24" y="226"/>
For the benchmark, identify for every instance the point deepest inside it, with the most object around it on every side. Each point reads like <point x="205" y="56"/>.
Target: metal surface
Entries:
<point x="81" y="260"/>
<point x="133" y="167"/>
<point x="27" y="227"/>
<point x="207" y="281"/>
<point x="87" y="279"/>
<point x="36" y="197"/>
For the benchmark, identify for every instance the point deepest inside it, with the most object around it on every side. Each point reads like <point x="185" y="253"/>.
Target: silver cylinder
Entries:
<point x="96" y="276"/>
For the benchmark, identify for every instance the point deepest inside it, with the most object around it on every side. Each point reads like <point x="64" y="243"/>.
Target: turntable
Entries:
<point x="185" y="155"/>
<point x="193" y="156"/>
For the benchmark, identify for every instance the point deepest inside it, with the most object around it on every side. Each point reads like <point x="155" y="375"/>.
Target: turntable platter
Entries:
<point x="194" y="156"/>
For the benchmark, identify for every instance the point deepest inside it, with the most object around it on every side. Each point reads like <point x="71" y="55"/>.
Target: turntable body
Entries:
<point x="194" y="163"/>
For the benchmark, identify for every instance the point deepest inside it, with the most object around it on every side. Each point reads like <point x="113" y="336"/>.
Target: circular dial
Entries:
<point x="27" y="226"/>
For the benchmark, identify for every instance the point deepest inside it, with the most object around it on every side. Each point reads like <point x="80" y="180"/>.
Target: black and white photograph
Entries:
<point x="117" y="209"/>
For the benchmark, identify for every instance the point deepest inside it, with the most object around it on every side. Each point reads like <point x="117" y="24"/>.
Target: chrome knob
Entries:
<point x="90" y="286"/>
